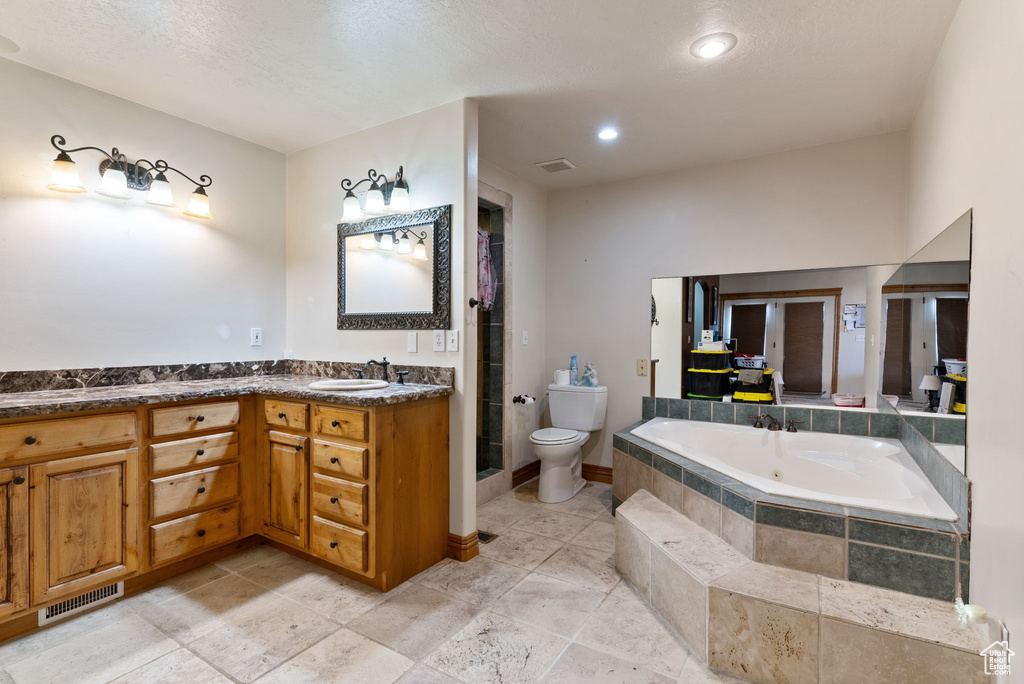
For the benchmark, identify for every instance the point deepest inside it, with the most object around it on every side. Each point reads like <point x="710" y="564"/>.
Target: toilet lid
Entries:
<point x="554" y="435"/>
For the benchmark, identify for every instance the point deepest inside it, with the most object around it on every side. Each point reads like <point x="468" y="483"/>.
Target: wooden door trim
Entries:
<point x="17" y="569"/>
<point x="938" y="287"/>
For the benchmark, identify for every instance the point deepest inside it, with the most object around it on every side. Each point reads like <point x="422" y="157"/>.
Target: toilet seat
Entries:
<point x="554" y="436"/>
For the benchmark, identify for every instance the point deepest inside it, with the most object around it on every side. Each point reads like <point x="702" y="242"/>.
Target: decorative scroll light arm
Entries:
<point x="114" y="155"/>
<point x="162" y="166"/>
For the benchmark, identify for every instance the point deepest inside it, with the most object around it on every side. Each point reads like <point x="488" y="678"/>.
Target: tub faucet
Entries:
<point x="793" y="424"/>
<point x="758" y="419"/>
<point x="384" y="363"/>
<point x="773" y="425"/>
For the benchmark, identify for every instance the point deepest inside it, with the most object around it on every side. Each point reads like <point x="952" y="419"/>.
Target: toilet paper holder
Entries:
<point x="523" y="399"/>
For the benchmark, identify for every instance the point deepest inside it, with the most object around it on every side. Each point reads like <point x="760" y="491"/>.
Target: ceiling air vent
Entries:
<point x="556" y="165"/>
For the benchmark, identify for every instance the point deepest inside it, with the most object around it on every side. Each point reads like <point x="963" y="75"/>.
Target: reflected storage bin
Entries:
<point x="753" y="398"/>
<point x="708" y="384"/>
<point x="710" y="360"/>
<point x="960" y="394"/>
<point x="756" y="388"/>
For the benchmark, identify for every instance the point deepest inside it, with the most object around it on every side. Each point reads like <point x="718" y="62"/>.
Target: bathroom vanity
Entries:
<point x="139" y="483"/>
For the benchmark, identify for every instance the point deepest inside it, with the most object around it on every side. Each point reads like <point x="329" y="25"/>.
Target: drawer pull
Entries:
<point x="30" y="440"/>
<point x="200" y="418"/>
<point x="334" y="459"/>
<point x="201" y="533"/>
<point x="201" y="490"/>
<point x="334" y="499"/>
<point x="298" y="447"/>
<point x="334" y="545"/>
<point x="282" y="414"/>
<point x="335" y="423"/>
<point x="19" y="480"/>
<point x="200" y="452"/>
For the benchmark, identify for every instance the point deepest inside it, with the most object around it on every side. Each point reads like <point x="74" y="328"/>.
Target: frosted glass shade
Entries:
<point x="387" y="242"/>
<point x="64" y="176"/>
<point x="368" y="242"/>
<point x="374" y="205"/>
<point x="404" y="245"/>
<point x="160" y="192"/>
<point x="399" y="200"/>
<point x="114" y="184"/>
<point x="351" y="211"/>
<point x="199" y="205"/>
<point x="419" y="251"/>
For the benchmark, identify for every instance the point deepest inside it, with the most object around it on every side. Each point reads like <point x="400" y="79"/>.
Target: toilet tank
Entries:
<point x="577" y="408"/>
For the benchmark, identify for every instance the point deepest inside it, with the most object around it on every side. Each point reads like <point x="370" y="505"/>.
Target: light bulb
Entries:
<point x="160" y="192"/>
<point x="114" y="184"/>
<point x="713" y="45"/>
<point x="351" y="212"/>
<point x="400" y="199"/>
<point x="420" y="251"/>
<point x="374" y="204"/>
<point x="608" y="134"/>
<point x="387" y="242"/>
<point x="404" y="245"/>
<point x="64" y="175"/>
<point x="368" y="242"/>
<point x="712" y="48"/>
<point x="199" y="205"/>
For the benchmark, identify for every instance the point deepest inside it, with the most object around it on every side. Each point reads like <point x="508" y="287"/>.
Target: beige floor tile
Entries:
<point x="696" y="672"/>
<point x="284" y="573"/>
<point x="586" y="567"/>
<point x="200" y="611"/>
<point x="5" y="678"/>
<point x="339" y="598"/>
<point x="633" y="555"/>
<point x="582" y="665"/>
<point x="589" y="507"/>
<point x="176" y="586"/>
<point x="601" y="490"/>
<point x="60" y="632"/>
<point x="494" y="648"/>
<point x="597" y="535"/>
<point x="416" y="578"/>
<point x="501" y="512"/>
<point x="681" y="599"/>
<point x="549" y="603"/>
<point x="760" y="641"/>
<point x="479" y="581"/>
<point x="342" y="658"/>
<point x="251" y="556"/>
<point x="560" y="526"/>
<point x="520" y="548"/>
<point x="97" y="656"/>
<point x="626" y="627"/>
<point x="261" y="640"/>
<point x="177" y="667"/>
<point x="527" y="492"/>
<point x="415" y="621"/>
<point x="817" y="553"/>
<point x="421" y="674"/>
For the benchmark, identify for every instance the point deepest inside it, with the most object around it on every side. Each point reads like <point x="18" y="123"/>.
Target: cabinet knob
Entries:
<point x="298" y="447"/>
<point x="30" y="440"/>
<point x="201" y="533"/>
<point x="334" y="545"/>
<point x="200" y="452"/>
<point x="335" y="423"/>
<point x="334" y="459"/>
<point x="19" y="479"/>
<point x="282" y="414"/>
<point x="334" y="499"/>
<point x="200" y="418"/>
<point x="201" y="490"/>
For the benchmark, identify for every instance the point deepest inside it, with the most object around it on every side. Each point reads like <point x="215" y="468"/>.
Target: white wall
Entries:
<point x="834" y="205"/>
<point x="88" y="281"/>
<point x="527" y="299"/>
<point x="667" y="336"/>
<point x="438" y="150"/>
<point x="967" y="151"/>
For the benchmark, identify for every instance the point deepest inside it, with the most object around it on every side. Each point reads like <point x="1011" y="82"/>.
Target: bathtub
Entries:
<point x="863" y="472"/>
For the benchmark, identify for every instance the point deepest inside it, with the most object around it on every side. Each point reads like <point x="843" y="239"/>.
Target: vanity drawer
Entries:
<point x="340" y="544"/>
<point x="189" y="491"/>
<point x="344" y="423"/>
<point x="192" y="453"/>
<point x="341" y="460"/>
<point x="184" y="536"/>
<point x="341" y="500"/>
<point x="44" y="437"/>
<point x="182" y="419"/>
<point x="286" y="414"/>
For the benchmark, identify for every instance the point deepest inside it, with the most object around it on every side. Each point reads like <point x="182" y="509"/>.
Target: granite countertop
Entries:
<point x="17" y="404"/>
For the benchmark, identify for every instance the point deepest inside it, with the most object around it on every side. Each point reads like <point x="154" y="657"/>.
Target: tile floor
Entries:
<point x="542" y="602"/>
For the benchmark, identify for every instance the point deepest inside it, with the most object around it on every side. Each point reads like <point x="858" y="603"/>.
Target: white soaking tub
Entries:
<point x="865" y="472"/>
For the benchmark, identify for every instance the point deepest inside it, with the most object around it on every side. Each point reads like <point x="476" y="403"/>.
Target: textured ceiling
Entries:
<point x="547" y="73"/>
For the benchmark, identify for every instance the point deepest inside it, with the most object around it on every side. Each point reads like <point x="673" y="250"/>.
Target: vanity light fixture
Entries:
<point x="119" y="175"/>
<point x="713" y="45"/>
<point x="419" y="252"/>
<point x="383" y="197"/>
<point x="387" y="242"/>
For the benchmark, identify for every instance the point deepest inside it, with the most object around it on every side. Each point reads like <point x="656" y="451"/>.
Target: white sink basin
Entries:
<point x="349" y="385"/>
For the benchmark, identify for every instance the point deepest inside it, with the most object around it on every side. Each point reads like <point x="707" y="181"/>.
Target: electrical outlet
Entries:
<point x="255" y="337"/>
<point x="439" y="340"/>
<point x="411" y="343"/>
<point x="641" y="366"/>
<point x="453" y="340"/>
<point x="526" y="338"/>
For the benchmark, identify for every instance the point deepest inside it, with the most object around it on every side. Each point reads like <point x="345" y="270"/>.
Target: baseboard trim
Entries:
<point x="596" y="473"/>
<point x="526" y="473"/>
<point x="463" y="548"/>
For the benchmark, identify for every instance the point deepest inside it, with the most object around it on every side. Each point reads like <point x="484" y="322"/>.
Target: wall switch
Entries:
<point x="439" y="340"/>
<point x="255" y="337"/>
<point x="641" y="366"/>
<point x="453" y="340"/>
<point x="526" y="338"/>
<point x="411" y="343"/>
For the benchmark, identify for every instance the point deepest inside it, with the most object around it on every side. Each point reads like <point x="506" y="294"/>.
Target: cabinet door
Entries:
<point x="84" y="523"/>
<point x="287" y="484"/>
<point x="13" y="540"/>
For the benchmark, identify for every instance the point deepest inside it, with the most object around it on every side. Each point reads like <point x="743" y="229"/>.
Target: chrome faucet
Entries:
<point x="384" y="363"/>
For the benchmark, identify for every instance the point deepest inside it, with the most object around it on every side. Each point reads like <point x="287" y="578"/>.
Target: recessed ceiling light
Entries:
<point x="713" y="45"/>
<point x="7" y="45"/>
<point x="608" y="134"/>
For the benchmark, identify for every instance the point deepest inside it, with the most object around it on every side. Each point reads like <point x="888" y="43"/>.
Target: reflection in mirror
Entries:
<point x="924" y="326"/>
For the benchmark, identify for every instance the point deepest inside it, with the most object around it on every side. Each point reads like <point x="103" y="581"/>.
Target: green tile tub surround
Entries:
<point x="620" y="443"/>
<point x="854" y="423"/>
<point x="702" y="485"/>
<point x="950" y="431"/>
<point x="965" y="549"/>
<point x="647" y="408"/>
<point x="823" y="420"/>
<point x="922" y="541"/>
<point x="661" y="407"/>
<point x="801" y="520"/>
<point x="885" y="425"/>
<point x="666" y="467"/>
<point x="640" y="454"/>
<point x="965" y="582"/>
<point x="923" y="424"/>
<point x="723" y="413"/>
<point x="911" y="573"/>
<point x="737" y="503"/>
<point x="679" y="408"/>
<point x="700" y="410"/>
<point x="801" y="415"/>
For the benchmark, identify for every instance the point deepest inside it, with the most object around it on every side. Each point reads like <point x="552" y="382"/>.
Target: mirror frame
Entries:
<point x="437" y="319"/>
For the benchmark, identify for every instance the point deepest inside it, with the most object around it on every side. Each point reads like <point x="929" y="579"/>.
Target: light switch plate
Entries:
<point x="453" y="340"/>
<point x="526" y="338"/>
<point x="439" y="340"/>
<point x="255" y="337"/>
<point x="412" y="343"/>
<point x="641" y="366"/>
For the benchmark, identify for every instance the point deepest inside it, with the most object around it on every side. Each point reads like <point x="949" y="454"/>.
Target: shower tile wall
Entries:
<point x="490" y="354"/>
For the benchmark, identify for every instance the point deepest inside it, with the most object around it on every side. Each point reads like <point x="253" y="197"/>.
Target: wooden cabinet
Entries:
<point x="84" y="523"/>
<point x="193" y="534"/>
<point x="14" y="540"/>
<point x="194" y="418"/>
<point x="289" y="414"/>
<point x="287" y="485"/>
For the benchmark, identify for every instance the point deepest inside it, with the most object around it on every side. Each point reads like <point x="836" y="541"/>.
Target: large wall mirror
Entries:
<point x="394" y="272"/>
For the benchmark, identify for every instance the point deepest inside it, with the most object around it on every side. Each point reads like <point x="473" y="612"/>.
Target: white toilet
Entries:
<point x="575" y="412"/>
